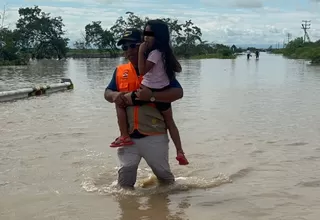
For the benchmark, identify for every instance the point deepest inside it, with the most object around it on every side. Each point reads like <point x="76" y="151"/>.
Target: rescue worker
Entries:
<point x="146" y="124"/>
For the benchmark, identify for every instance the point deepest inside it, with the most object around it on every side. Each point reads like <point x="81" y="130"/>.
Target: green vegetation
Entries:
<point x="38" y="35"/>
<point x="298" y="49"/>
<point x="186" y="39"/>
<point x="91" y="53"/>
<point x="218" y="51"/>
<point x="213" y="56"/>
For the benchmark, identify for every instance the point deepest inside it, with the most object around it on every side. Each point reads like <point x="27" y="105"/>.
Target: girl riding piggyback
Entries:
<point x="158" y="65"/>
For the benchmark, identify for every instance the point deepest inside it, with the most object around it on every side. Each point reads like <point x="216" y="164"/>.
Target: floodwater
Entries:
<point x="251" y="130"/>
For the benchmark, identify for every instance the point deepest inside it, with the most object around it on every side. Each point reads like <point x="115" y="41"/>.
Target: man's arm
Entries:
<point x="172" y="94"/>
<point x="110" y="95"/>
<point x="111" y="89"/>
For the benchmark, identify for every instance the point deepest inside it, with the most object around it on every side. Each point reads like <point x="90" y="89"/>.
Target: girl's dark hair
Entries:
<point x="162" y="43"/>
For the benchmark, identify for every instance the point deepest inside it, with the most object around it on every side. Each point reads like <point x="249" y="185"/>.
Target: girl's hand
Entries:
<point x="143" y="47"/>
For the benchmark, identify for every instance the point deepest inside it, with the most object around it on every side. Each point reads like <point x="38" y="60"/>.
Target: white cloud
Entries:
<point x="248" y="3"/>
<point x="252" y="21"/>
<point x="235" y="3"/>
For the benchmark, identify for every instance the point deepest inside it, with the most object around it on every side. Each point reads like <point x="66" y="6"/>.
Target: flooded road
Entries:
<point x="251" y="130"/>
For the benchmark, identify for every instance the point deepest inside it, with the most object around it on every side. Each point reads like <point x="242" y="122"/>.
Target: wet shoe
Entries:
<point x="122" y="141"/>
<point x="182" y="159"/>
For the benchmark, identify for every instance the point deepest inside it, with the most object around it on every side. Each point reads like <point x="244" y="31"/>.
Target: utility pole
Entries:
<point x="289" y="36"/>
<point x="3" y="16"/>
<point x="305" y="27"/>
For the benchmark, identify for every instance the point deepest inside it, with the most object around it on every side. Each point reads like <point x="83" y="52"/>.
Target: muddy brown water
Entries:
<point x="251" y="130"/>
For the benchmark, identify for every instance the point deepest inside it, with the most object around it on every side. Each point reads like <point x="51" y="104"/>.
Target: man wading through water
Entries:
<point x="146" y="124"/>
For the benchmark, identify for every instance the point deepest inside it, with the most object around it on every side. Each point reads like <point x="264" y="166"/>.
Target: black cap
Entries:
<point x="132" y="35"/>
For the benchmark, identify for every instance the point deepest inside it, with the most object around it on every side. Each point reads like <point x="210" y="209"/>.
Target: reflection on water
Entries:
<point x="155" y="206"/>
<point x="249" y="123"/>
<point x="257" y="66"/>
<point x="38" y="72"/>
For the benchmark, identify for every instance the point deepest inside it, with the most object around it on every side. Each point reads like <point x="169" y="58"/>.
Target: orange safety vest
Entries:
<point x="146" y="119"/>
<point x="127" y="79"/>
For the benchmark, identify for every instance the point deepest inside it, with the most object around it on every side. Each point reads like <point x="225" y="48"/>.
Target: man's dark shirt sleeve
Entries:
<point x="113" y="84"/>
<point x="175" y="84"/>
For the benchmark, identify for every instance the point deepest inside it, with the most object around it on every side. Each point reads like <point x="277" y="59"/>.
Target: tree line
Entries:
<point x="186" y="38"/>
<point x="299" y="49"/>
<point x="38" y="35"/>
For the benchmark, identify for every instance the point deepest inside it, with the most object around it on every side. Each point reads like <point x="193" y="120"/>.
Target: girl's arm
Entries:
<point x="144" y="65"/>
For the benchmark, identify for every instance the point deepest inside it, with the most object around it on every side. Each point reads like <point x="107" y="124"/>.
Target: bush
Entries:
<point x="297" y="49"/>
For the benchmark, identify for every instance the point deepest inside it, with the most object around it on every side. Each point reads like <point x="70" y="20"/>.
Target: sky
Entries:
<point x="239" y="22"/>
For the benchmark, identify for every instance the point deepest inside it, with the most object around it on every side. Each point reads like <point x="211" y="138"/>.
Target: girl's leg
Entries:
<point x="122" y="121"/>
<point x="173" y="130"/>
<point x="175" y="136"/>
<point x="124" y="139"/>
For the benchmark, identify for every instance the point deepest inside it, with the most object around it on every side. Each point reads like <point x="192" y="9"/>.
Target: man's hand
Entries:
<point x="144" y="93"/>
<point x="119" y="99"/>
